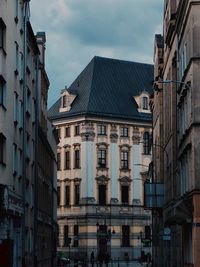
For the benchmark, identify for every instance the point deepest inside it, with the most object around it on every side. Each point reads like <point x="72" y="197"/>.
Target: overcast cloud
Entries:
<point x="77" y="30"/>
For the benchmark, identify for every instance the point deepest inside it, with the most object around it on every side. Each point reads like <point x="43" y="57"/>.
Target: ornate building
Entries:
<point x="104" y="126"/>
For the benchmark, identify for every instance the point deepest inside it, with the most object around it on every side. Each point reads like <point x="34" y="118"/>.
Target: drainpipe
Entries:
<point x="36" y="163"/>
<point x="25" y="20"/>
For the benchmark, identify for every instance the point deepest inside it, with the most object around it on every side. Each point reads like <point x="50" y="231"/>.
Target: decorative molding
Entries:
<point x="136" y="136"/>
<point x="77" y="180"/>
<point x="102" y="179"/>
<point x="125" y="147"/>
<point x="87" y="200"/>
<point x="125" y="180"/>
<point x="87" y="131"/>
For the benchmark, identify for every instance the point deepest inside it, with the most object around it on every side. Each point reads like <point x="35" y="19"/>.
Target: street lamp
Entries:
<point x="187" y="84"/>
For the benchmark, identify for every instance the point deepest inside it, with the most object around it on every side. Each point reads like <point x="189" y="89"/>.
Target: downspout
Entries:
<point x="25" y="20"/>
<point x="36" y="162"/>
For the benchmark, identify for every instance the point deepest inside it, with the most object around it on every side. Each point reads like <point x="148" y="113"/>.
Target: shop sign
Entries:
<point x="10" y="201"/>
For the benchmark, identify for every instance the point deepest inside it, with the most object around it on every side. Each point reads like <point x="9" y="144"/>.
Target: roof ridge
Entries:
<point x="92" y="74"/>
<point x="123" y="60"/>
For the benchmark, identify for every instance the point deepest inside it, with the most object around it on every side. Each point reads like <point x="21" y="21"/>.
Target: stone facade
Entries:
<point x="23" y="130"/>
<point x="180" y="100"/>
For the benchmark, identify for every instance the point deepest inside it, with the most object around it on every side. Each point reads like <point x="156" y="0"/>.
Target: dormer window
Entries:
<point x="67" y="98"/>
<point x="142" y="101"/>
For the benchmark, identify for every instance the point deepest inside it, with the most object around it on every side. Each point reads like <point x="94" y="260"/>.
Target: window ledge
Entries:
<point x="4" y="51"/>
<point x="3" y="163"/>
<point x="125" y="169"/>
<point x="102" y="168"/>
<point x="16" y="19"/>
<point x="3" y="106"/>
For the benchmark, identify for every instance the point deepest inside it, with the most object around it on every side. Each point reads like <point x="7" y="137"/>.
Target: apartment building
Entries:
<point x="179" y="91"/>
<point x="23" y="133"/>
<point x="104" y="125"/>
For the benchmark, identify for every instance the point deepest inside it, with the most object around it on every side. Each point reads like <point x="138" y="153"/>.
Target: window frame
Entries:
<point x="67" y="160"/>
<point x="101" y="129"/>
<point x="2" y="149"/>
<point x="77" y="159"/>
<point x="124" y="160"/>
<point x="76" y="130"/>
<point x="146" y="143"/>
<point x="125" y="195"/>
<point x="58" y="195"/>
<point x="67" y="195"/>
<point x="102" y="195"/>
<point x="2" y="92"/>
<point x="2" y="35"/>
<point x="145" y="103"/>
<point x="76" y="235"/>
<point x="102" y="157"/>
<point x="59" y="161"/>
<point x="76" y="194"/>
<point x="67" y="131"/>
<point x="125" y="236"/>
<point x="66" y="235"/>
<point x="124" y="131"/>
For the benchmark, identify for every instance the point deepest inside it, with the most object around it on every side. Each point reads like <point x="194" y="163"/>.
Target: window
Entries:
<point x="67" y="132"/>
<point x="64" y="101"/>
<point x="16" y="108"/>
<point x="28" y="150"/>
<point x="76" y="159"/>
<point x="102" y="158"/>
<point x="20" y="163"/>
<point x="102" y="129"/>
<point x="58" y="196"/>
<point x="2" y="148"/>
<point x="67" y="195"/>
<point x="15" y="159"/>
<point x="66" y="235"/>
<point x="77" y="130"/>
<point x="20" y="115"/>
<point x="76" y="194"/>
<point x="21" y="67"/>
<point x="146" y="143"/>
<point x="58" y="161"/>
<point x="125" y="236"/>
<point x="125" y="194"/>
<point x="2" y="34"/>
<point x="124" y="160"/>
<point x="67" y="160"/>
<point x="76" y="238"/>
<point x="16" y="57"/>
<point x="145" y="103"/>
<point x="59" y="132"/>
<point x="102" y="194"/>
<point x="2" y="92"/>
<point x="28" y="101"/>
<point x="124" y="132"/>
<point x="16" y="10"/>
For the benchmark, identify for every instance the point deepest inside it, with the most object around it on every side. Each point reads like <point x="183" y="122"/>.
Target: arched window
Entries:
<point x="146" y="143"/>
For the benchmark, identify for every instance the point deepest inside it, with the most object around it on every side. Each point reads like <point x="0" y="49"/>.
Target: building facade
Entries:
<point x="178" y="82"/>
<point x="104" y="126"/>
<point x="23" y="105"/>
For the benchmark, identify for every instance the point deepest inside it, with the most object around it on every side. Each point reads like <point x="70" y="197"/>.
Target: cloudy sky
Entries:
<point x="77" y="30"/>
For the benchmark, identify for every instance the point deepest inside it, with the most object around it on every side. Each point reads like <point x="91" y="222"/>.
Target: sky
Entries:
<point x="78" y="30"/>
